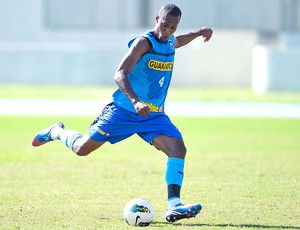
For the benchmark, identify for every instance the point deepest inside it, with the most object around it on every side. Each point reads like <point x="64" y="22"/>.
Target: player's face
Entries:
<point x="165" y="27"/>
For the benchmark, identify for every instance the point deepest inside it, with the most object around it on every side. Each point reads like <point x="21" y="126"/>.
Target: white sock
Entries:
<point x="68" y="137"/>
<point x="173" y="201"/>
<point x="56" y="132"/>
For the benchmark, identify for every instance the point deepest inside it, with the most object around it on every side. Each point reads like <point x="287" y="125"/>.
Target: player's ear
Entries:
<point x="156" y="19"/>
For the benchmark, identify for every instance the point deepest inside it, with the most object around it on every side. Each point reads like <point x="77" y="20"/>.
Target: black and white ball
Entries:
<point x="138" y="212"/>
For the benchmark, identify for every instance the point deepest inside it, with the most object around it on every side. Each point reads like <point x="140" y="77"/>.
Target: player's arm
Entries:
<point x="139" y="47"/>
<point x="183" y="39"/>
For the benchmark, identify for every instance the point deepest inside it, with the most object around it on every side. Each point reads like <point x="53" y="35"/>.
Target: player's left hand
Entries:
<point x="142" y="108"/>
<point x="206" y="33"/>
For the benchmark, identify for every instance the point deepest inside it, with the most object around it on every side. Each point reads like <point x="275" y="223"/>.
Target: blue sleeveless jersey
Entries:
<point x="151" y="76"/>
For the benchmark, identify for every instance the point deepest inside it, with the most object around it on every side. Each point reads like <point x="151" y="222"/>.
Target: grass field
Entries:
<point x="244" y="171"/>
<point x="175" y="93"/>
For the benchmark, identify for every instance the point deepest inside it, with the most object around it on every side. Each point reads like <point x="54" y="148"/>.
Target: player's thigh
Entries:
<point x="86" y="145"/>
<point x="171" y="146"/>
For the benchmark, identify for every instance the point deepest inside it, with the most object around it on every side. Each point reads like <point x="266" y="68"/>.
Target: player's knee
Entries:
<point x="178" y="152"/>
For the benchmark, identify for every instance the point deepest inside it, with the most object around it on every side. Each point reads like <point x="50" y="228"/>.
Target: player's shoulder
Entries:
<point x="141" y="44"/>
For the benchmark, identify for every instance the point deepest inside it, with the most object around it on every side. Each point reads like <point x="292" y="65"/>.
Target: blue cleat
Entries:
<point x="182" y="211"/>
<point x="43" y="136"/>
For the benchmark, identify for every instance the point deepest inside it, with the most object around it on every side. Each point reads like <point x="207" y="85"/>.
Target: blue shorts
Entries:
<point x="116" y="124"/>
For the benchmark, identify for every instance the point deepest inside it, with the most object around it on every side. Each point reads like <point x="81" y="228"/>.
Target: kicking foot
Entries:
<point x="182" y="211"/>
<point x="43" y="136"/>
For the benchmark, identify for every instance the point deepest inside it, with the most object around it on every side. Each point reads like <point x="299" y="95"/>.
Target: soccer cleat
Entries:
<point x="182" y="211"/>
<point x="43" y="136"/>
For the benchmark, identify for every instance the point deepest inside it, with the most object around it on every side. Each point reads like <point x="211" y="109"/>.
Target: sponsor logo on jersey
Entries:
<point x="160" y="66"/>
<point x="171" y="44"/>
<point x="152" y="107"/>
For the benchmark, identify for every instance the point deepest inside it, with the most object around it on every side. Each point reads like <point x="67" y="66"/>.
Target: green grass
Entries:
<point x="245" y="172"/>
<point x="175" y="93"/>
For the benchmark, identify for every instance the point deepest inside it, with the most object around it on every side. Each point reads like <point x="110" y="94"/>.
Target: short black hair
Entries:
<point x="170" y="9"/>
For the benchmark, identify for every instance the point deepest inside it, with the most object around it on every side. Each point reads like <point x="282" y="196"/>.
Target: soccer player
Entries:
<point x="143" y="78"/>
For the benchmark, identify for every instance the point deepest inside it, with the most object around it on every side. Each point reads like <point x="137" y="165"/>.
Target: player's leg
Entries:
<point x="175" y="149"/>
<point x="81" y="145"/>
<point x="160" y="132"/>
<point x="85" y="145"/>
<point x="171" y="146"/>
<point x="109" y="126"/>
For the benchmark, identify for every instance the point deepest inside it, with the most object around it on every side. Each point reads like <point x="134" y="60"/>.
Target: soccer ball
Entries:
<point x="138" y="212"/>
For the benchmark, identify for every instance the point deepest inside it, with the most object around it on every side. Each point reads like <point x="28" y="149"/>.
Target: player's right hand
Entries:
<point x="141" y="108"/>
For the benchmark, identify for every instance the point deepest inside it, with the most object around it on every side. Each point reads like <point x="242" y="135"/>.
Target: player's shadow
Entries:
<point x="163" y="224"/>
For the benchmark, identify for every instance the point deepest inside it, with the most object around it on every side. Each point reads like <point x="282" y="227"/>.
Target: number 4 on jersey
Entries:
<point x="161" y="81"/>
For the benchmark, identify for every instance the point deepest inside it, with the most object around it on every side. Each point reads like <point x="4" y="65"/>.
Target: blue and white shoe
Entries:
<point x="43" y="136"/>
<point x="183" y="211"/>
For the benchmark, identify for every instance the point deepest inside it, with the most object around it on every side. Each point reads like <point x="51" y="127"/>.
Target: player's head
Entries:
<point x="167" y="21"/>
<point x="169" y="9"/>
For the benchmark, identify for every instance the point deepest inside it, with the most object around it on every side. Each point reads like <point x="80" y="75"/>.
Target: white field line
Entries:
<point x="190" y="109"/>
